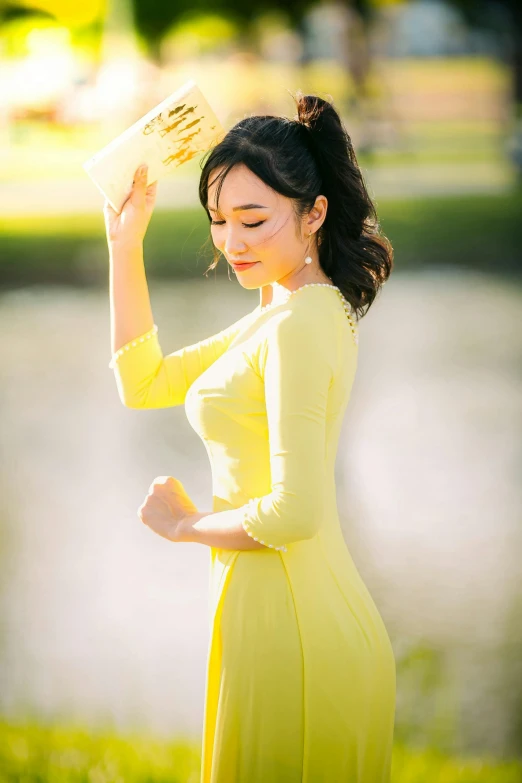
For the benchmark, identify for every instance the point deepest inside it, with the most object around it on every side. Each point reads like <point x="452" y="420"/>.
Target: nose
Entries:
<point x="234" y="245"/>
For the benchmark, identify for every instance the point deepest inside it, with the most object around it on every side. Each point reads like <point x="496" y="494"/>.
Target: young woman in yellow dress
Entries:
<point x="301" y="673"/>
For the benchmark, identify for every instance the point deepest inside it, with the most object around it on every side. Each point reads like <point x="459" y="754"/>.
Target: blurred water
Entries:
<point x="104" y="621"/>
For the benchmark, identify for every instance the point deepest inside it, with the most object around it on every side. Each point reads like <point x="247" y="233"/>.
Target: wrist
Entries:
<point x="187" y="530"/>
<point x="125" y="246"/>
<point x="184" y="530"/>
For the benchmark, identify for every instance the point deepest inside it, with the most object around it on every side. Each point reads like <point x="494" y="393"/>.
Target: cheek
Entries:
<point x="219" y="237"/>
<point x="269" y="236"/>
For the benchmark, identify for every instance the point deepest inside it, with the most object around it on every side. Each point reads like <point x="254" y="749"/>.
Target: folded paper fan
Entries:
<point x="170" y="134"/>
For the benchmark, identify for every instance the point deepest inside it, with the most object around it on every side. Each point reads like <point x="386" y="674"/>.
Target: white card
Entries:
<point x="173" y="132"/>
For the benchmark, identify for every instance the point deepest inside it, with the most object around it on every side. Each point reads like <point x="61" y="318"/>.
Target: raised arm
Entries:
<point x="145" y="378"/>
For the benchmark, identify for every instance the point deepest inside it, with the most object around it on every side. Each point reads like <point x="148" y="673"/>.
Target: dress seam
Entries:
<point x="327" y="561"/>
<point x="303" y="776"/>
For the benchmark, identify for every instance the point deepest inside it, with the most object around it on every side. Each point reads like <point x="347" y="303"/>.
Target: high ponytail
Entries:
<point x="312" y="154"/>
<point x="352" y="251"/>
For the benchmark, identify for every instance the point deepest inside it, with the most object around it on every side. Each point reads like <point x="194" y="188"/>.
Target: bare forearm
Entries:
<point x="131" y="313"/>
<point x="215" y="529"/>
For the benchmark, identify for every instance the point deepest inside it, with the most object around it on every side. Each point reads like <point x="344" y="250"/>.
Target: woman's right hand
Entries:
<point x="130" y="225"/>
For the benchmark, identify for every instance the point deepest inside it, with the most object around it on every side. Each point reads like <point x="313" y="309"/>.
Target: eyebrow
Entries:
<point x="243" y="206"/>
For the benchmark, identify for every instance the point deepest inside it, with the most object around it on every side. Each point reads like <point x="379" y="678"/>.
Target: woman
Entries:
<point x="301" y="673"/>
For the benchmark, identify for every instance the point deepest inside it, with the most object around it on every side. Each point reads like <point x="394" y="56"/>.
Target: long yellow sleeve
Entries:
<point x="298" y="361"/>
<point x="147" y="379"/>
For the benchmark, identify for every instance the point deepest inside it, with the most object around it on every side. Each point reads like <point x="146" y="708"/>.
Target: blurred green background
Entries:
<point x="104" y="627"/>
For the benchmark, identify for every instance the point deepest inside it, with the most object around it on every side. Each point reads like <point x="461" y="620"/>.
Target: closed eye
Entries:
<point x="247" y="225"/>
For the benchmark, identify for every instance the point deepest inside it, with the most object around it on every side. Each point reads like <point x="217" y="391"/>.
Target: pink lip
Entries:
<point x="243" y="265"/>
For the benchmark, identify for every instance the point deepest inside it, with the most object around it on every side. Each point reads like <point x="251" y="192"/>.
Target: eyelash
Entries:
<point x="247" y="225"/>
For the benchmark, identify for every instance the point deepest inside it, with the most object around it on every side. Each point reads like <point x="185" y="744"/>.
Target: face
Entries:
<point x="266" y="234"/>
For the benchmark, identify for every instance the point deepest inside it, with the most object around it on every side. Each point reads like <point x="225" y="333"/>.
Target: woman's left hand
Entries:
<point x="165" y="507"/>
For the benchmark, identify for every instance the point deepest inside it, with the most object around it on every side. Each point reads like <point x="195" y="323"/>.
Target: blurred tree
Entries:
<point x="482" y="13"/>
<point x="69" y="13"/>
<point x="154" y="17"/>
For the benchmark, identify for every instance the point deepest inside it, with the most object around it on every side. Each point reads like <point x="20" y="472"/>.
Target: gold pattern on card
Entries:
<point x="184" y="141"/>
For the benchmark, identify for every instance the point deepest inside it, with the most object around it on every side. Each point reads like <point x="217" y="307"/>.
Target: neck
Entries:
<point x="273" y="293"/>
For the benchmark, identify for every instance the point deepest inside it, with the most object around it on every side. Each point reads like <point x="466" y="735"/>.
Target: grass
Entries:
<point x="432" y="766"/>
<point x="35" y="753"/>
<point x="481" y="232"/>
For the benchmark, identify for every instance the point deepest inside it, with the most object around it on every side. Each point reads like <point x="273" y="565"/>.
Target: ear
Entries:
<point x="317" y="214"/>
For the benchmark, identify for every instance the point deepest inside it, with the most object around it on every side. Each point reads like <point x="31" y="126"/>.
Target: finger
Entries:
<point x="134" y="188"/>
<point x="137" y="172"/>
<point x="154" y="502"/>
<point x="109" y="211"/>
<point x="126" y="198"/>
<point x="130" y="190"/>
<point x="161" y="481"/>
<point x="145" y="510"/>
<point x="140" y="186"/>
<point x="151" y="195"/>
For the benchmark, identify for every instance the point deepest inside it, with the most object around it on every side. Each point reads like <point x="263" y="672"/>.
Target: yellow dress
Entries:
<point x="300" y="671"/>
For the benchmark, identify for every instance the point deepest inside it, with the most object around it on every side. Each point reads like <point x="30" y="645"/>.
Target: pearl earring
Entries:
<point x="308" y="259"/>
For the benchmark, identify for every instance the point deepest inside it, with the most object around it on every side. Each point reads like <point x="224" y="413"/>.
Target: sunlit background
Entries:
<point x="105" y="625"/>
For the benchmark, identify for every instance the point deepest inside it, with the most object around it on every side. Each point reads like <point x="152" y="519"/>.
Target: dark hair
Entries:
<point x="302" y="158"/>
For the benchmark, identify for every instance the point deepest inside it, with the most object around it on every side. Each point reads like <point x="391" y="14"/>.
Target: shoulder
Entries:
<point x="308" y="327"/>
<point x="313" y="311"/>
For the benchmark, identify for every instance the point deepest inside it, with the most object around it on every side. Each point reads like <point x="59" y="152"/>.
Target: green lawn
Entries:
<point x="34" y="753"/>
<point x="480" y="232"/>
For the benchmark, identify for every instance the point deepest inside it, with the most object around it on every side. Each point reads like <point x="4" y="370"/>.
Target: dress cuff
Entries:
<point x="247" y="524"/>
<point x="131" y="344"/>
